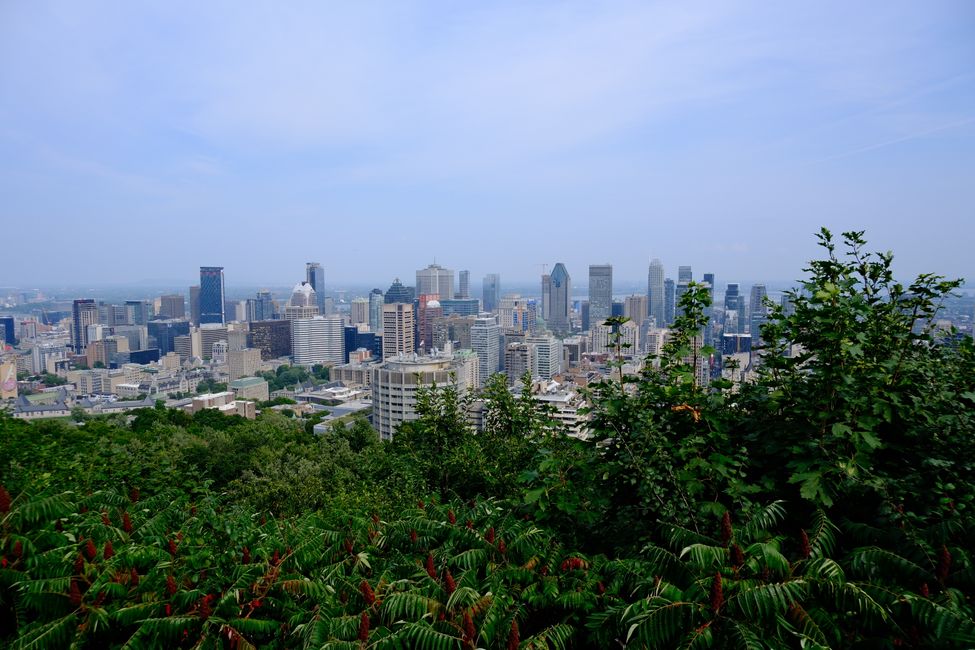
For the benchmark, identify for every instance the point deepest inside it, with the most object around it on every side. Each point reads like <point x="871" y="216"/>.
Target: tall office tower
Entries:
<point x="435" y="279"/>
<point x="136" y="312"/>
<point x="684" y="278"/>
<point x="464" y="290"/>
<point x="600" y="292"/>
<point x="635" y="308"/>
<point x="788" y="305"/>
<point x="547" y="359"/>
<point x="655" y="292"/>
<point x="376" y="310"/>
<point x="359" y="311"/>
<point x="195" y="304"/>
<point x="211" y="295"/>
<point x="172" y="306"/>
<point x="315" y="276"/>
<point x="518" y="359"/>
<point x="709" y="310"/>
<point x="490" y="292"/>
<point x="486" y="343"/>
<point x="557" y="299"/>
<point x="670" y="302"/>
<point x="264" y="309"/>
<point x="398" y="328"/>
<point x="733" y="306"/>
<point x="398" y="293"/>
<point x="272" y="337"/>
<point x="584" y="315"/>
<point x="757" y="311"/>
<point x="83" y="313"/>
<point x="8" y="331"/>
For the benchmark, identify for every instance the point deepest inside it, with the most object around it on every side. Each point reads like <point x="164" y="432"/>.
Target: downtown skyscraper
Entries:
<point x="600" y="293"/>
<point x="315" y="276"/>
<point x="490" y="292"/>
<point x="212" y="295"/>
<point x="655" y="292"/>
<point x="557" y="299"/>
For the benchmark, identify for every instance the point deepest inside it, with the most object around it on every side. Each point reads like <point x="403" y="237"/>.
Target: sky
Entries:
<point x="139" y="141"/>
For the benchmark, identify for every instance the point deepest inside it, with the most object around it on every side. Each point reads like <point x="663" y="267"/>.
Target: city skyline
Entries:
<point x="719" y="136"/>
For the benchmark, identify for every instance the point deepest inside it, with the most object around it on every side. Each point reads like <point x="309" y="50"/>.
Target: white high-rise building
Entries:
<point x="600" y="292"/>
<point x="318" y="340"/>
<point x="547" y="359"/>
<point x="395" y="384"/>
<point x="655" y="292"/>
<point x="601" y="339"/>
<point x="486" y="343"/>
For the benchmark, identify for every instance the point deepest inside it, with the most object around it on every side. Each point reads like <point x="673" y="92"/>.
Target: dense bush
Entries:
<point x="826" y="503"/>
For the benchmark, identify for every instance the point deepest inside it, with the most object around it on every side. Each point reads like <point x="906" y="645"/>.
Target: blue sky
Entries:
<point x="142" y="140"/>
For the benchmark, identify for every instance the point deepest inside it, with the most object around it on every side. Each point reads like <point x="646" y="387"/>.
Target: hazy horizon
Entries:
<point x="145" y="140"/>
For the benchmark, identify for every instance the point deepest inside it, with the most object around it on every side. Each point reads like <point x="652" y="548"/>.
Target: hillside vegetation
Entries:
<point x="827" y="504"/>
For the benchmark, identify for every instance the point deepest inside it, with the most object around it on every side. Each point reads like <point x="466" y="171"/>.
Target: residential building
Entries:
<point x="398" y="329"/>
<point x="635" y="308"/>
<point x="395" y="383"/>
<point x="547" y="359"/>
<point x="318" y="340"/>
<point x="359" y="311"/>
<point x="486" y="342"/>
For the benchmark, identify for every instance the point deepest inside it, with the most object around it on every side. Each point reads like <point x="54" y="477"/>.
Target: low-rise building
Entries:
<point x="254" y="388"/>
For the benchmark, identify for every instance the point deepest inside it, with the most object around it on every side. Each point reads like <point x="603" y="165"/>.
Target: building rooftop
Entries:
<point x="246" y="382"/>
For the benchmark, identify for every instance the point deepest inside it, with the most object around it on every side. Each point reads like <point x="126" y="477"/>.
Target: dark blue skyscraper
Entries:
<point x="211" y="295"/>
<point x="8" y="333"/>
<point x="315" y="276"/>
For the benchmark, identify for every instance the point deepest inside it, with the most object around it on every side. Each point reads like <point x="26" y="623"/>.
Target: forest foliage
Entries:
<point x="827" y="503"/>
